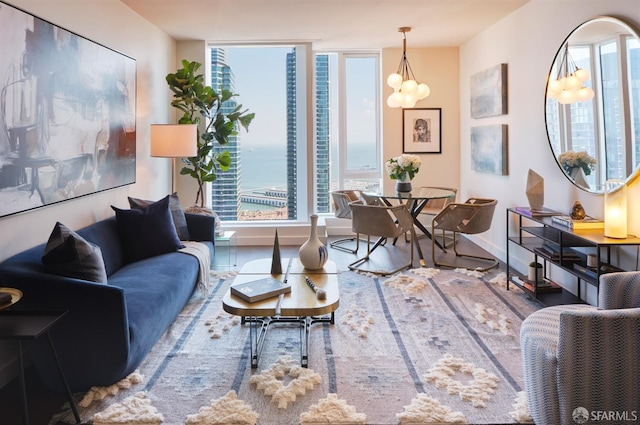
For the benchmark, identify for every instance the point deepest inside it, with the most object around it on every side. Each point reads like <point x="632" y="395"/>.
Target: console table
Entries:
<point x="535" y="233"/>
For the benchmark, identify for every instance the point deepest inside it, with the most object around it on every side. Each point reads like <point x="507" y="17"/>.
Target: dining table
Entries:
<point x="415" y="201"/>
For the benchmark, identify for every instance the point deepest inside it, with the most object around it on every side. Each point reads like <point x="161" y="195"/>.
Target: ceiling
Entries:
<point x="329" y="24"/>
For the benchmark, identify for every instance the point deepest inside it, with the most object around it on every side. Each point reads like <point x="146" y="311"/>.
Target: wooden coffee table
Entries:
<point x="299" y="306"/>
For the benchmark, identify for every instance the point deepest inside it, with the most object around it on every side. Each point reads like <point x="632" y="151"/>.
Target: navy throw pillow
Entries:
<point x="147" y="232"/>
<point x="177" y="213"/>
<point x="69" y="254"/>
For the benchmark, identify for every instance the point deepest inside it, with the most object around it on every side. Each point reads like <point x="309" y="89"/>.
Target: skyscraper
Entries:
<point x="225" y="189"/>
<point x="322" y="134"/>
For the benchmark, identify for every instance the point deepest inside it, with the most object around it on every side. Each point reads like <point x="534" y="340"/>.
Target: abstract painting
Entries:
<point x="489" y="92"/>
<point x="489" y="149"/>
<point x="421" y="130"/>
<point x="67" y="114"/>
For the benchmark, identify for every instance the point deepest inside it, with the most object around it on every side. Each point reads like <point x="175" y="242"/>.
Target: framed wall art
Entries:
<point x="489" y="92"/>
<point x="489" y="149"/>
<point x="422" y="130"/>
<point x="67" y="114"/>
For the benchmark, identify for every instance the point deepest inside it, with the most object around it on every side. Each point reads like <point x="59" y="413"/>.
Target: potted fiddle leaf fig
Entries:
<point x="198" y="102"/>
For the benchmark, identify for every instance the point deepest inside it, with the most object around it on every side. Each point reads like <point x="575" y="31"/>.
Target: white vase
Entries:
<point x="313" y="254"/>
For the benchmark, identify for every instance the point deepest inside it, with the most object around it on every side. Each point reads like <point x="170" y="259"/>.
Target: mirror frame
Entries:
<point x="632" y="30"/>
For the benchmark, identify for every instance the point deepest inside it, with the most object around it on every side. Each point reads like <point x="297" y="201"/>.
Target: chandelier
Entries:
<point x="568" y="87"/>
<point x="406" y="90"/>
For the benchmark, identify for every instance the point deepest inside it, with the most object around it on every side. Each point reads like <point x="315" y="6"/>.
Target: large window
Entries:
<point x="285" y="165"/>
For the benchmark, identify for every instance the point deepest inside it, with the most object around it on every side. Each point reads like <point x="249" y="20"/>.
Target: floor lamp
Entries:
<point x="174" y="141"/>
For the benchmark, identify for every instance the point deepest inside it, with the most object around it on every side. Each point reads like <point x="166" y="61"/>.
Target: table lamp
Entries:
<point x="174" y="141"/>
<point x="615" y="209"/>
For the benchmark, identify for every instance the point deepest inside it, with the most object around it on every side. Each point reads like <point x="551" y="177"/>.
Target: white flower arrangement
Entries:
<point x="403" y="166"/>
<point x="571" y="159"/>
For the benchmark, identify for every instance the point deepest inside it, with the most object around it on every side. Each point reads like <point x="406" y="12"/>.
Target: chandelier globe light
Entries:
<point x="406" y="90"/>
<point x="568" y="87"/>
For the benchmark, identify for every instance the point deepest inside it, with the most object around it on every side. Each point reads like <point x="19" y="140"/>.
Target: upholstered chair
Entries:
<point x="579" y="356"/>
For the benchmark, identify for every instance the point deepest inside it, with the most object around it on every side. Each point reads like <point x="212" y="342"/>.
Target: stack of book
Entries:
<point x="593" y="271"/>
<point x="544" y="286"/>
<point x="552" y="252"/>
<point x="585" y="223"/>
<point x="260" y="289"/>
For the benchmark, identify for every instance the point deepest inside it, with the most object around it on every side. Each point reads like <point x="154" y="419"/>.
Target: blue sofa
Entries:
<point x="109" y="329"/>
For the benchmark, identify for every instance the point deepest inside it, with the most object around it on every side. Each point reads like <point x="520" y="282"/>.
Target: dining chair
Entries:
<point x="384" y="222"/>
<point x="471" y="217"/>
<point x="433" y="207"/>
<point x="341" y="200"/>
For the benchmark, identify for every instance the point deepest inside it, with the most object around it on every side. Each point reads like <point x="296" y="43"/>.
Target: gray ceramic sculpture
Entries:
<point x="535" y="190"/>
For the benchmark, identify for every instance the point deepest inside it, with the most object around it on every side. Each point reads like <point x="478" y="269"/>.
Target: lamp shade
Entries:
<point x="615" y="209"/>
<point x="174" y="140"/>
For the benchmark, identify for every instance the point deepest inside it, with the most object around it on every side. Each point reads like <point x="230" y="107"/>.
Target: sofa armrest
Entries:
<point x="92" y="339"/>
<point x="201" y="227"/>
<point x="619" y="290"/>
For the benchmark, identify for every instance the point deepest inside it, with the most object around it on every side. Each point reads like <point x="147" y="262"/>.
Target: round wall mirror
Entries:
<point x="592" y="103"/>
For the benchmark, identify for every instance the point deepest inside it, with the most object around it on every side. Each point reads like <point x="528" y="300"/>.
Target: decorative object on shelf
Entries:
<point x="535" y="190"/>
<point x="592" y="260"/>
<point x="570" y="160"/>
<point x="535" y="272"/>
<point x="489" y="92"/>
<point x="276" y="260"/>
<point x="406" y="90"/>
<point x="568" y="86"/>
<point x="313" y="253"/>
<point x="403" y="168"/>
<point x="421" y="130"/>
<point x="200" y="103"/>
<point x="577" y="211"/>
<point x="615" y="209"/>
<point x="174" y="141"/>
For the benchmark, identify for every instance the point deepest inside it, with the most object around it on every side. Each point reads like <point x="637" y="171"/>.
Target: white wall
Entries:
<point x="112" y="24"/>
<point x="439" y="69"/>
<point x="527" y="40"/>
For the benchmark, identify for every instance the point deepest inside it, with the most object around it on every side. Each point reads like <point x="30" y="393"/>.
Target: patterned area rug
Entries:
<point x="424" y="346"/>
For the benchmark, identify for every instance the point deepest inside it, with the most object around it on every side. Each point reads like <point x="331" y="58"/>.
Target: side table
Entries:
<point x="225" y="243"/>
<point x="24" y="326"/>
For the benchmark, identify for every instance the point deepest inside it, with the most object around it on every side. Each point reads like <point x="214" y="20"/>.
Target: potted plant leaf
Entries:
<point x="198" y="101"/>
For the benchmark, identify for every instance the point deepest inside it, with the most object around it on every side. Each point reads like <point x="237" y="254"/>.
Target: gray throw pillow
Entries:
<point x="69" y="254"/>
<point x="177" y="213"/>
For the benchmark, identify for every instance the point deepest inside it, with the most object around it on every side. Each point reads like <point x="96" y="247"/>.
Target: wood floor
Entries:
<point x="43" y="404"/>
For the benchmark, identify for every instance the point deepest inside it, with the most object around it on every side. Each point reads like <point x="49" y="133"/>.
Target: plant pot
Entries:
<point x="403" y="186"/>
<point x="531" y="275"/>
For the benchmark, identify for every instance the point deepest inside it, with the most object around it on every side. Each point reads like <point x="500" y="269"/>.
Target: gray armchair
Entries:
<point x="582" y="356"/>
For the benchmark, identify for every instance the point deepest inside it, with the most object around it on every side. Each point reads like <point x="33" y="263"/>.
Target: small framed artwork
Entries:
<point x="421" y="130"/>
<point x="489" y="92"/>
<point x="489" y="149"/>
